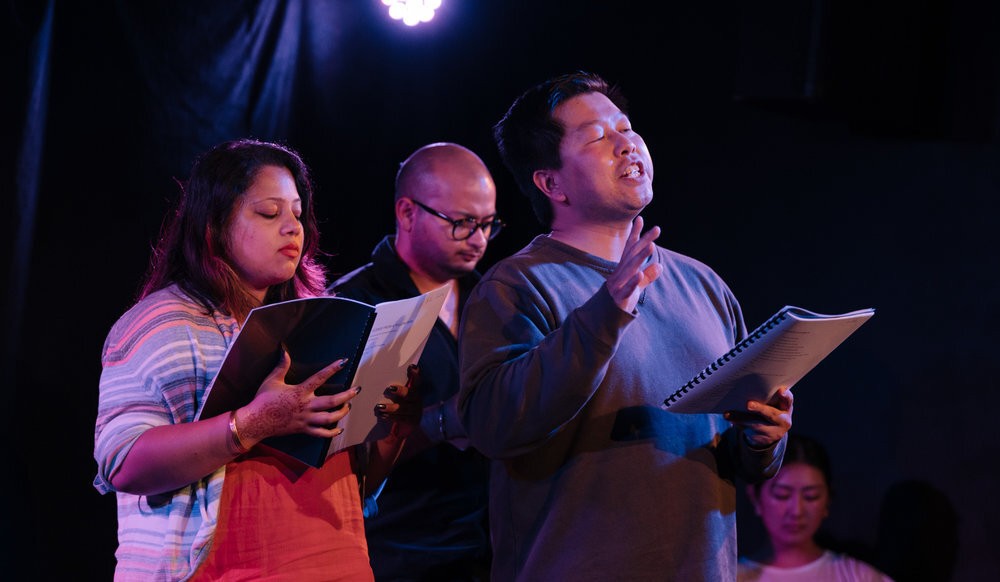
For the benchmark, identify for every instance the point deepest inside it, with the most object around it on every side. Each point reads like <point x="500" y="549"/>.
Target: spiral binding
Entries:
<point x="731" y="354"/>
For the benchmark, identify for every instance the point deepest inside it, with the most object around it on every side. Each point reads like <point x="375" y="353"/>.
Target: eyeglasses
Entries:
<point x="464" y="228"/>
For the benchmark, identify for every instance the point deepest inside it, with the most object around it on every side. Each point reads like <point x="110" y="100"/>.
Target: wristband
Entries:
<point x="234" y="435"/>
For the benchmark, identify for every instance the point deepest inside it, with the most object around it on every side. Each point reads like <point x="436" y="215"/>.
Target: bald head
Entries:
<point x="428" y="169"/>
<point x="442" y="187"/>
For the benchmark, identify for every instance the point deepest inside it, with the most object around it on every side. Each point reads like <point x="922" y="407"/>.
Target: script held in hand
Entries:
<point x="778" y="353"/>
<point x="381" y="341"/>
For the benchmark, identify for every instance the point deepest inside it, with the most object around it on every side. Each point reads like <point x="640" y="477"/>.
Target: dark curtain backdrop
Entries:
<point x="832" y="155"/>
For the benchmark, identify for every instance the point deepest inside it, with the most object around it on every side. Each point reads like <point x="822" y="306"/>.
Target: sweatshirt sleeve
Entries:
<point x="523" y="375"/>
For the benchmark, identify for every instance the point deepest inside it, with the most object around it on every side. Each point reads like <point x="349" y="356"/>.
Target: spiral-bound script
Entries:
<point x="777" y="353"/>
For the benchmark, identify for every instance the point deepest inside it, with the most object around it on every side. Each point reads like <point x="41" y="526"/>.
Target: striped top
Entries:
<point x="158" y="360"/>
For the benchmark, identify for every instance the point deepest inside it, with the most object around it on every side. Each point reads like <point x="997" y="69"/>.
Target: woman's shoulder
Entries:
<point x="166" y="312"/>
<point x="167" y="303"/>
<point x="171" y="296"/>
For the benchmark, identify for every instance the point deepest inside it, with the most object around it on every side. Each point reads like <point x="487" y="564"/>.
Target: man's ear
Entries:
<point x="547" y="181"/>
<point x="405" y="209"/>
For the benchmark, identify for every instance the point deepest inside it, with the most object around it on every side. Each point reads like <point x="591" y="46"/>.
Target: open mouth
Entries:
<point x="632" y="171"/>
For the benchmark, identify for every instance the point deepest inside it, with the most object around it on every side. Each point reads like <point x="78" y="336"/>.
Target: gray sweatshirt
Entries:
<point x="591" y="478"/>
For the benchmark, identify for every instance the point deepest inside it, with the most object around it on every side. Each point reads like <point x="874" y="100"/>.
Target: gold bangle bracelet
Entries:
<point x="234" y="435"/>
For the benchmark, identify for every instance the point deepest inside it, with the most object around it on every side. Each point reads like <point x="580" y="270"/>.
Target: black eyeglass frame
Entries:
<point x="490" y="227"/>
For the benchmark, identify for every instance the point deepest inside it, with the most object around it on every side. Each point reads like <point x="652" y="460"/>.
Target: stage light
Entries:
<point x="412" y="12"/>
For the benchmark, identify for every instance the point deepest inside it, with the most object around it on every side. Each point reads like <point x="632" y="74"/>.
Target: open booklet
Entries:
<point x="778" y="353"/>
<point x="381" y="341"/>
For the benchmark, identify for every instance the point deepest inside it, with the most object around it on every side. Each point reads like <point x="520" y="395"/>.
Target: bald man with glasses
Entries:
<point x="431" y="518"/>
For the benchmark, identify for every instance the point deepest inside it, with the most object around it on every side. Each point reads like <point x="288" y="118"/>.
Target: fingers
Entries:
<point x="401" y="403"/>
<point x="778" y="409"/>
<point x="312" y="382"/>
<point x="399" y="396"/>
<point x="318" y="414"/>
<point x="412" y="375"/>
<point x="330" y="416"/>
<point x="744" y="418"/>
<point x="280" y="408"/>
<point x="636" y="231"/>
<point x="319" y="378"/>
<point x="632" y="273"/>
<point x="323" y="403"/>
<point x="782" y="400"/>
<point x="756" y="414"/>
<point x="638" y="249"/>
<point x="765" y="424"/>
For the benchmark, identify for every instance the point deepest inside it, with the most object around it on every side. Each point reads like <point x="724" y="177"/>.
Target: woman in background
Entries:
<point x="196" y="500"/>
<point x="793" y="505"/>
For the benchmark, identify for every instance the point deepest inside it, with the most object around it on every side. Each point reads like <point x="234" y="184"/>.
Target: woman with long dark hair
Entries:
<point x="196" y="499"/>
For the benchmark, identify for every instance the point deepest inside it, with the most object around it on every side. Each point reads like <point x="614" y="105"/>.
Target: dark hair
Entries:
<point x="191" y="250"/>
<point x="528" y="137"/>
<point x="807" y="451"/>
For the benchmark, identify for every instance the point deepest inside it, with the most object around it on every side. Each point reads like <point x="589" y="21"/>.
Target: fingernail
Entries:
<point x="338" y="432"/>
<point x="393" y="389"/>
<point x="380" y="406"/>
<point x="357" y="389"/>
<point x="342" y="362"/>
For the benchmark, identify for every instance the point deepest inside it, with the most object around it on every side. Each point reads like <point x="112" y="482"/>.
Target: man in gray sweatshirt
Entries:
<point x="568" y="348"/>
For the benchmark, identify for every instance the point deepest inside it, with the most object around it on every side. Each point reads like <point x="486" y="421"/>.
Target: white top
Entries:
<point x="830" y="567"/>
